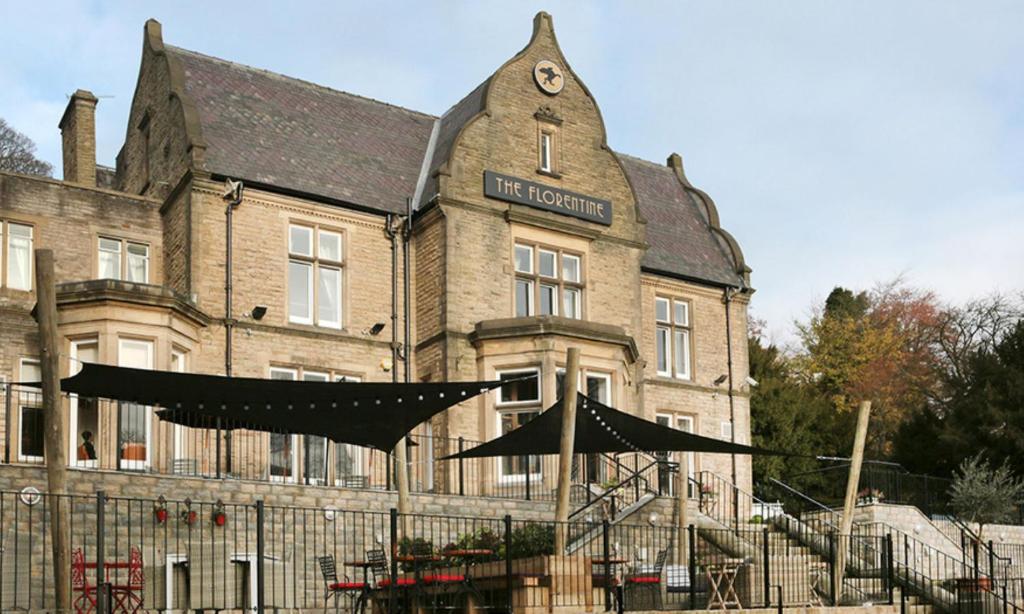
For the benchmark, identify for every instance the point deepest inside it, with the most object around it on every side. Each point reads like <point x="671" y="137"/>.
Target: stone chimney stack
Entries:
<point x="78" y="133"/>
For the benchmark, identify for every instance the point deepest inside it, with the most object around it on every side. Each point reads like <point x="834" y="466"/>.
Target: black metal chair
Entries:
<point x="357" y="592"/>
<point x="646" y="583"/>
<point x="381" y="571"/>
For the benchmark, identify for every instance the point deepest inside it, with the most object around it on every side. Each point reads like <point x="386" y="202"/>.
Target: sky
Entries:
<point x="845" y="143"/>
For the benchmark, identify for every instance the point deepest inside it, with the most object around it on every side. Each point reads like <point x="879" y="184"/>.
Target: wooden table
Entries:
<point x="722" y="584"/>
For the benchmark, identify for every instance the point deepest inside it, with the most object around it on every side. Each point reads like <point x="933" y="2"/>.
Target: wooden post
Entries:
<point x="846" y="524"/>
<point x="682" y="521"/>
<point x="565" y="448"/>
<point x="402" y="480"/>
<point x="55" y="439"/>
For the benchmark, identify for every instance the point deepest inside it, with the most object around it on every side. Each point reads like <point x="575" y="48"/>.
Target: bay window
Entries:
<point x="30" y="414"/>
<point x="518" y="403"/>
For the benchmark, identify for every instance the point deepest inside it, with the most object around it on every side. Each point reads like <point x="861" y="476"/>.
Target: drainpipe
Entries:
<point x="727" y="295"/>
<point x="233" y="198"/>
<point x="401" y="454"/>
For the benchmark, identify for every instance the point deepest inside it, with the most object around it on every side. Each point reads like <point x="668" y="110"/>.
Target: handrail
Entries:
<point x="636" y="475"/>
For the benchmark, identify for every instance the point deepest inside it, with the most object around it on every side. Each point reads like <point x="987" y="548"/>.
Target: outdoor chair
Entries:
<point x="382" y="575"/>
<point x="357" y="592"/>
<point x="646" y="584"/>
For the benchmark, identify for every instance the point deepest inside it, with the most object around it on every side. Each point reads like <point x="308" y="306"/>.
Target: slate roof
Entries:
<point x="678" y="232"/>
<point x="276" y="130"/>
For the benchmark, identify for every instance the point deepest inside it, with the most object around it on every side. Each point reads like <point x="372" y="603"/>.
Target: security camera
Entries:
<point x="721" y="379"/>
<point x="752" y="382"/>
<point x="376" y="328"/>
<point x="232" y="191"/>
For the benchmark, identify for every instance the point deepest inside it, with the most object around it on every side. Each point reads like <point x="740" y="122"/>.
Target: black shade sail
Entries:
<point x="375" y="414"/>
<point x="600" y="428"/>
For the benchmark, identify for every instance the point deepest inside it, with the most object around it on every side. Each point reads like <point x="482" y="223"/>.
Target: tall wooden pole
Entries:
<point x="682" y="497"/>
<point x="55" y="439"/>
<point x="846" y="524"/>
<point x="565" y="447"/>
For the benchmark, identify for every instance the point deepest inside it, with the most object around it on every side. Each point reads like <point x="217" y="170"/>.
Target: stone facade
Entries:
<point x="464" y="319"/>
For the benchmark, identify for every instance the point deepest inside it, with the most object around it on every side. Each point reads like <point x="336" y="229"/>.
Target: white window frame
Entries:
<point x="676" y="421"/>
<point x="123" y="258"/>
<point x="137" y="465"/>
<point x="358" y="454"/>
<point x="292" y="478"/>
<point x="73" y="368"/>
<point x="667" y="334"/>
<point x="315" y="263"/>
<point x="22" y="457"/>
<point x="178" y="364"/>
<point x="518" y="407"/>
<point x="546" y="143"/>
<point x="6" y="237"/>
<point x="317" y="376"/>
<point x="537" y="281"/>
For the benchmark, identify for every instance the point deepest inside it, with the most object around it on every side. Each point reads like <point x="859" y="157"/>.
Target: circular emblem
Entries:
<point x="548" y="76"/>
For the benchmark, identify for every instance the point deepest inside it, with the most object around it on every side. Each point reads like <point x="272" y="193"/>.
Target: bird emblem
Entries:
<point x="549" y="74"/>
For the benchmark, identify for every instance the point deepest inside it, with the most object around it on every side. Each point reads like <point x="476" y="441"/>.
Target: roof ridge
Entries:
<point x="319" y="86"/>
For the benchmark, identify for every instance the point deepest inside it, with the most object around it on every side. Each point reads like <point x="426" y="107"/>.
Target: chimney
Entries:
<point x="78" y="133"/>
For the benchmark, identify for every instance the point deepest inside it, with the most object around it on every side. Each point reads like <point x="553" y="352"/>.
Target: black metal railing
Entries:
<point x="880" y="482"/>
<point x="143" y="554"/>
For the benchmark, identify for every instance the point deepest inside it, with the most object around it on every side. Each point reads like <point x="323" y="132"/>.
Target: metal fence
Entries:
<point x="134" y="554"/>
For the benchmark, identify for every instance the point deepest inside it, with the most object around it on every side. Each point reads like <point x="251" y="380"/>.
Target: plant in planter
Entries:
<point x="481" y="539"/>
<point x="160" y="510"/>
<point x="188" y="515"/>
<point x="870" y="495"/>
<point x="532" y="539"/>
<point x="417" y="546"/>
<point x="219" y="517"/>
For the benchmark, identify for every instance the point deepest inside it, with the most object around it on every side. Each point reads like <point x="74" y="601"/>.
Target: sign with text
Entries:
<point x="523" y="192"/>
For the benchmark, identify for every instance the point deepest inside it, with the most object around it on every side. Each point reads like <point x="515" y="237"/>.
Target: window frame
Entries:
<point x="538" y="281"/>
<point x="6" y="237"/>
<point x="147" y="463"/>
<point x="316" y="263"/>
<point x="293" y="474"/>
<point x="28" y="404"/>
<point x="531" y="406"/>
<point x="74" y="404"/>
<point x="123" y="256"/>
<point x="672" y="328"/>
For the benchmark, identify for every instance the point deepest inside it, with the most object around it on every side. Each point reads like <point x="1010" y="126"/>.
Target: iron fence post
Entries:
<point x="890" y="566"/>
<point x="692" y="547"/>
<point x="462" y="469"/>
<point x="527" y="477"/>
<point x="102" y="595"/>
<point x="217" y="452"/>
<point x="636" y="476"/>
<point x="767" y="571"/>
<point x="7" y="422"/>
<point x="736" y="505"/>
<point x="832" y="568"/>
<point x="387" y="471"/>
<point x="606" y="552"/>
<point x="260" y="548"/>
<point x="991" y="562"/>
<point x="394" y="559"/>
<point x="508" y="561"/>
<point x="977" y="573"/>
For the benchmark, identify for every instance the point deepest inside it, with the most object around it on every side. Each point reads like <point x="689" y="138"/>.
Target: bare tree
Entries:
<point x="976" y="326"/>
<point x="18" y="153"/>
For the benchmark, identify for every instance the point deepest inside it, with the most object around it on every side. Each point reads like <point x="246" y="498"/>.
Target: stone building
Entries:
<point x="529" y="235"/>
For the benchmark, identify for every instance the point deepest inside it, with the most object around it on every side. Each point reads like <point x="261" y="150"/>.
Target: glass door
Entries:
<point x="134" y="421"/>
<point x="84" y="416"/>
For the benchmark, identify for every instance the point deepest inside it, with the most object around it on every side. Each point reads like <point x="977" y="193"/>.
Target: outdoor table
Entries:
<point x="722" y="584"/>
<point x="364" y="565"/>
